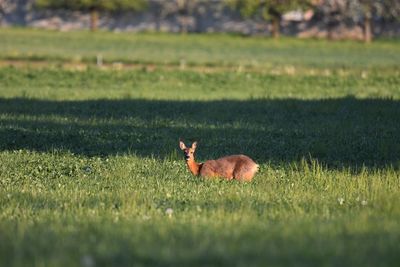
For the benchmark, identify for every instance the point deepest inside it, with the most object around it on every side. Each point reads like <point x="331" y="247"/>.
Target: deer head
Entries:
<point x="188" y="152"/>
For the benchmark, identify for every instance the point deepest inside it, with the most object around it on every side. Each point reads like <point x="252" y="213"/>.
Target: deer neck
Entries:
<point x="193" y="166"/>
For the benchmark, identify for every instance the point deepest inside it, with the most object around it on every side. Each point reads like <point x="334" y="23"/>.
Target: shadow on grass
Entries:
<point x="345" y="132"/>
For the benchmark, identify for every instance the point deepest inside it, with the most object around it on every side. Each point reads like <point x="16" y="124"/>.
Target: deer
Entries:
<point x="233" y="167"/>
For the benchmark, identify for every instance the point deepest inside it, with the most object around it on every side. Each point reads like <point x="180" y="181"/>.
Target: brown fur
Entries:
<point x="239" y="167"/>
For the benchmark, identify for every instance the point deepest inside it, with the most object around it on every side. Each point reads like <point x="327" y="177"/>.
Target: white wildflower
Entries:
<point x="364" y="75"/>
<point x="340" y="200"/>
<point x="169" y="212"/>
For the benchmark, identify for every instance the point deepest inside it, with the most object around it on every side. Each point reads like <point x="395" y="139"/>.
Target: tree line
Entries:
<point x="363" y="11"/>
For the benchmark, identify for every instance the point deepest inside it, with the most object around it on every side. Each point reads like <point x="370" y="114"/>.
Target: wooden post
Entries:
<point x="94" y="18"/>
<point x="275" y="27"/>
<point x="367" y="30"/>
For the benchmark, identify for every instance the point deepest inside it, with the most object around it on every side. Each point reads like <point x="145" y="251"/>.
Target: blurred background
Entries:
<point x="333" y="19"/>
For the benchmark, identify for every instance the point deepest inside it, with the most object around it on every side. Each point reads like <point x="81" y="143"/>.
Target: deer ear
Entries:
<point x="182" y="145"/>
<point x="194" y="145"/>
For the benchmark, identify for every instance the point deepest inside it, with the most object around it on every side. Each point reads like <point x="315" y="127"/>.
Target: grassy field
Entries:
<point x="201" y="50"/>
<point x="90" y="164"/>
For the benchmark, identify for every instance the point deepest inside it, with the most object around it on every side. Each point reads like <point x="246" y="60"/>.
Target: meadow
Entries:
<point x="91" y="173"/>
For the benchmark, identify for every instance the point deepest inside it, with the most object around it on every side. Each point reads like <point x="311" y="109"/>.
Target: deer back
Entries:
<point x="239" y="167"/>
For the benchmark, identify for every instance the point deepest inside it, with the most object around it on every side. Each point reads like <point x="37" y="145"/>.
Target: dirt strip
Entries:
<point x="81" y="66"/>
<point x="119" y="66"/>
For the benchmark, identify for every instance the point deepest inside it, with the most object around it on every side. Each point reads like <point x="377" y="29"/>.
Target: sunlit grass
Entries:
<point x="62" y="84"/>
<point x="115" y="211"/>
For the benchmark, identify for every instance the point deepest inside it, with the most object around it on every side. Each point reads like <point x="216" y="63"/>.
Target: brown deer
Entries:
<point x="239" y="167"/>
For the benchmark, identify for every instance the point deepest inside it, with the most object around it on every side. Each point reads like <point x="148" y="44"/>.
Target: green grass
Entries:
<point x="213" y="50"/>
<point x="90" y="161"/>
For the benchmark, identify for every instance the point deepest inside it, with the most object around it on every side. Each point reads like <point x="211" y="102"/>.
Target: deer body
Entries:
<point x="239" y="167"/>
